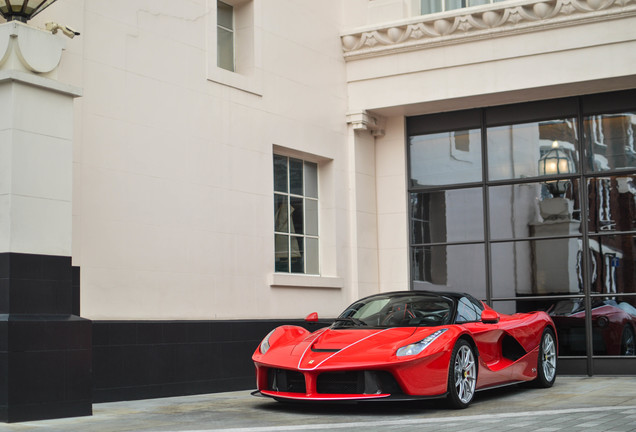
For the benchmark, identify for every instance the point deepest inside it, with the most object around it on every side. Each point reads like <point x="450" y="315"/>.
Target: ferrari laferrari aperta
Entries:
<point x="407" y="345"/>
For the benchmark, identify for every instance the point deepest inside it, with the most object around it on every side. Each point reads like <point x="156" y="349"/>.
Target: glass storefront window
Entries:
<point x="445" y="158"/>
<point x="453" y="267"/>
<point x="529" y="210"/>
<point x="515" y="151"/>
<point x="609" y="140"/>
<point x="447" y="216"/>
<point x="559" y="202"/>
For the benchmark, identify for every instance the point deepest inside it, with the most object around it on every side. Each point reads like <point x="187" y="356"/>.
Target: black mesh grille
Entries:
<point x="357" y="382"/>
<point x="283" y="380"/>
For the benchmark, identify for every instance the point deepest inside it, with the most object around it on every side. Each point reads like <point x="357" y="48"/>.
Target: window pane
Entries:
<point x="281" y="213"/>
<point x="514" y="151"/>
<point x="282" y="253"/>
<point x="297" y="255"/>
<point x="455" y="4"/>
<point x="447" y="216"/>
<point x="311" y="217"/>
<point x="311" y="180"/>
<point x="312" y="256"/>
<point x="540" y="267"/>
<point x="297" y="218"/>
<point x="612" y="264"/>
<point x="431" y="6"/>
<point x="225" y="49"/>
<point x="529" y="210"/>
<point x="445" y="158"/>
<point x="280" y="173"/>
<point x="612" y="203"/>
<point x="295" y="176"/>
<point x="454" y="267"/>
<point x="478" y="2"/>
<point x="224" y="15"/>
<point x="609" y="139"/>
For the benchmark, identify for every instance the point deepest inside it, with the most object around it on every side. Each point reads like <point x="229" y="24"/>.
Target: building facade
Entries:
<point x="240" y="164"/>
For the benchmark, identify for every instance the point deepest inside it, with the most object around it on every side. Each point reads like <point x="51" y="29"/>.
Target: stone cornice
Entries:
<point x="481" y="22"/>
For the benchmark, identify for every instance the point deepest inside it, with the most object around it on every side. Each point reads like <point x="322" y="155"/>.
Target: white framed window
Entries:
<point x="225" y="36"/>
<point x="234" y="44"/>
<point x="434" y="6"/>
<point x="296" y="235"/>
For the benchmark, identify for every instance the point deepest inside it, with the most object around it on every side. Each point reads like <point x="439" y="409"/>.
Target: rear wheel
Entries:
<point x="462" y="375"/>
<point x="628" y="342"/>
<point x="546" y="365"/>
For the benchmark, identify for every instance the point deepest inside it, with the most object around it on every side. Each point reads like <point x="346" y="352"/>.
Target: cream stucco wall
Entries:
<point x="172" y="200"/>
<point x="172" y="178"/>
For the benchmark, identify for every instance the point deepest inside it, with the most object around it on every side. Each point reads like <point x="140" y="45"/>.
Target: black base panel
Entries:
<point x="151" y="359"/>
<point x="45" y="411"/>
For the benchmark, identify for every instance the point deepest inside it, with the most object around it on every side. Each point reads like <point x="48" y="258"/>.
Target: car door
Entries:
<point x="487" y="337"/>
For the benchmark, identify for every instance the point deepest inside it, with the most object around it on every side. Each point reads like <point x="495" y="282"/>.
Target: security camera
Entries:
<point x="68" y="31"/>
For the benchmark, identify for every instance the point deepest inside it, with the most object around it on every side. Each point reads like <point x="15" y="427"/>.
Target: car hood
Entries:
<point x="333" y="348"/>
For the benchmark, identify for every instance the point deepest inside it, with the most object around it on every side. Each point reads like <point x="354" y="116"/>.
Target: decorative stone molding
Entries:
<point x="26" y="48"/>
<point x="364" y="120"/>
<point x="463" y="25"/>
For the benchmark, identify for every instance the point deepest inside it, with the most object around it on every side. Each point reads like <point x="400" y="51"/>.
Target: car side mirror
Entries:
<point x="312" y="317"/>
<point x="489" y="316"/>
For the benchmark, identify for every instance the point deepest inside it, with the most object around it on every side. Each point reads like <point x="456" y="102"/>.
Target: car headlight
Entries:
<point x="418" y="347"/>
<point x="265" y="344"/>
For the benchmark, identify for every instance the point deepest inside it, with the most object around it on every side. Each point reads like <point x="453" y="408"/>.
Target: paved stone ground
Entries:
<point x="573" y="404"/>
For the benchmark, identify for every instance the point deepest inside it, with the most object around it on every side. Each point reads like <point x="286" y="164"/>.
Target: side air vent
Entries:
<point x="511" y="349"/>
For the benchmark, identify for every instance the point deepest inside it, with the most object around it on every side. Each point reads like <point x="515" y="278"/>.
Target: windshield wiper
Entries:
<point x="355" y="321"/>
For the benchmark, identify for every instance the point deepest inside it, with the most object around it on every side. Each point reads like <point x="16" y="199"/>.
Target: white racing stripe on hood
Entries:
<point x="348" y="346"/>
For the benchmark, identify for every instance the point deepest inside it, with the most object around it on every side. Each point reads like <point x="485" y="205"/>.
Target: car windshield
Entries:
<point x="407" y="310"/>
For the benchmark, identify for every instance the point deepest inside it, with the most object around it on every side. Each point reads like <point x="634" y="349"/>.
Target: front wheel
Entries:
<point x="462" y="375"/>
<point x="546" y="365"/>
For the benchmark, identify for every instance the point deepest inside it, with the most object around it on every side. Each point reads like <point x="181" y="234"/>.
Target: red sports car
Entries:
<point x="407" y="345"/>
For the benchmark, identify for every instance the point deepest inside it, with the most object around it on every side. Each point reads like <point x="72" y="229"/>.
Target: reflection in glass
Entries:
<point x="295" y="176"/>
<point x="514" y="151"/>
<point x="612" y="203"/>
<point x="296" y="214"/>
<point x="282" y="253"/>
<point x="296" y="254"/>
<point x="612" y="264"/>
<point x="445" y="158"/>
<point x="453" y="267"/>
<point x="613" y="325"/>
<point x="447" y="216"/>
<point x="569" y="319"/>
<point x="280" y="173"/>
<point x="529" y="210"/>
<point x="609" y="139"/>
<point x="537" y="267"/>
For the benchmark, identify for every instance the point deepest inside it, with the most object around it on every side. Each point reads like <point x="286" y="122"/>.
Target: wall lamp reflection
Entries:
<point x="556" y="161"/>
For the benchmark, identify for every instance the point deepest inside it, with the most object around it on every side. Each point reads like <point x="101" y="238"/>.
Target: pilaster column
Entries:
<point x="45" y="350"/>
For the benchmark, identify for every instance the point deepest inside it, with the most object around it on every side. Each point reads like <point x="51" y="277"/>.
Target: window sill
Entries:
<point x="248" y="83"/>
<point x="285" y="280"/>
